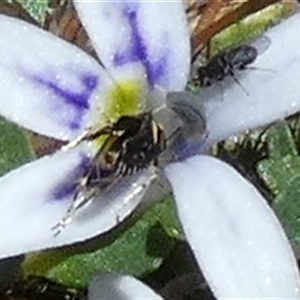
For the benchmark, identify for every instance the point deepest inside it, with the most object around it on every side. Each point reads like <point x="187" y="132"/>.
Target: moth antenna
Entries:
<point x="259" y="69"/>
<point x="76" y="141"/>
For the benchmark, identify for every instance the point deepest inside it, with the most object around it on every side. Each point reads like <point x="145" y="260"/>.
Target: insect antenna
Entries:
<point x="87" y="135"/>
<point x="82" y="195"/>
<point x="259" y="69"/>
<point x="81" y="198"/>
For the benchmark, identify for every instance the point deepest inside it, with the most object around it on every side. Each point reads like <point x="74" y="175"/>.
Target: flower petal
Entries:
<point x="151" y="33"/>
<point x="235" y="236"/>
<point x="35" y="197"/>
<point x="47" y="85"/>
<point x="119" y="287"/>
<point x="273" y="89"/>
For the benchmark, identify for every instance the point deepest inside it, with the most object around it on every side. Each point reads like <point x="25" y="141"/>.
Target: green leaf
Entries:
<point x="288" y="208"/>
<point x="139" y="250"/>
<point x="281" y="172"/>
<point x="36" y="8"/>
<point x="280" y="141"/>
<point x="15" y="148"/>
<point x="251" y="27"/>
<point x="283" y="162"/>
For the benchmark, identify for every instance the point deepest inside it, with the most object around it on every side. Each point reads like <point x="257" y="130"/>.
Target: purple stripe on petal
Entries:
<point x="67" y="187"/>
<point x="77" y="102"/>
<point x="184" y="149"/>
<point x="90" y="81"/>
<point x="138" y="51"/>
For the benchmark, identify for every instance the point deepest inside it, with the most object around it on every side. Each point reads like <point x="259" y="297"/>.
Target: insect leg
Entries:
<point x="81" y="198"/>
<point x="240" y="84"/>
<point x="87" y="187"/>
<point x="137" y="189"/>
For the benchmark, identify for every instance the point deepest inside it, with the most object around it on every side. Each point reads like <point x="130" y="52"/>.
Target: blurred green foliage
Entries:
<point x="138" y="251"/>
<point x="37" y="8"/>
<point x="281" y="172"/>
<point x="249" y="28"/>
<point x="15" y="148"/>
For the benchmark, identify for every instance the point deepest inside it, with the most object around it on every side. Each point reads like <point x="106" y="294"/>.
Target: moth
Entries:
<point x="130" y="144"/>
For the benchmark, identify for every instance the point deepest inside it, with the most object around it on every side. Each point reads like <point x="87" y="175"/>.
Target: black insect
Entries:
<point x="226" y="64"/>
<point x="130" y="144"/>
<point x="40" y="288"/>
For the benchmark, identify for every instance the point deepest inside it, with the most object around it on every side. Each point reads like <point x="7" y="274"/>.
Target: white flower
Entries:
<point x="56" y="89"/>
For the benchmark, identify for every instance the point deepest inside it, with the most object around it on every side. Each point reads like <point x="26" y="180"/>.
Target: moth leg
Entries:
<point x="82" y="197"/>
<point x="240" y="84"/>
<point x="137" y="189"/>
<point x="58" y="228"/>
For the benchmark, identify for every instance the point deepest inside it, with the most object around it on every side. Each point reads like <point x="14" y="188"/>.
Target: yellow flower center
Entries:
<point x="124" y="98"/>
